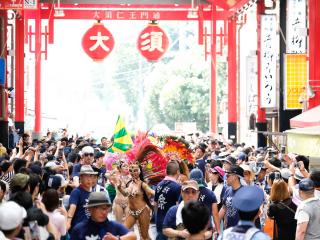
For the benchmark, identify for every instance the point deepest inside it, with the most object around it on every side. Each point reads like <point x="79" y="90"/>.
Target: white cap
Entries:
<point x="285" y="173"/>
<point x="246" y="167"/>
<point x="11" y="215"/>
<point x="87" y="149"/>
<point x="51" y="164"/>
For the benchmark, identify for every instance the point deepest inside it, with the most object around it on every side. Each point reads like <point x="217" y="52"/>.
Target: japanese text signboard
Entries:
<point x="268" y="56"/>
<point x="152" y="42"/>
<point x="252" y="88"/>
<point x="296" y="26"/>
<point x="18" y="4"/>
<point x="98" y="42"/>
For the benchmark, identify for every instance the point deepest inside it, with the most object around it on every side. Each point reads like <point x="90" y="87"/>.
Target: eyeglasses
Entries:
<point x="190" y="191"/>
<point x="88" y="154"/>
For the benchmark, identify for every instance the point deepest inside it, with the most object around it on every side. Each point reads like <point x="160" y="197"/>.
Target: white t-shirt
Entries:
<point x="59" y="221"/>
<point x="302" y="216"/>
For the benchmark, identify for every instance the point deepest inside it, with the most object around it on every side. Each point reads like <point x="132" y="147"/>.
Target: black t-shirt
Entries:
<point x="283" y="213"/>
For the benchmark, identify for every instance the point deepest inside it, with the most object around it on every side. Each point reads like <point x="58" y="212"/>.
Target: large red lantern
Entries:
<point x="153" y="42"/>
<point x="98" y="42"/>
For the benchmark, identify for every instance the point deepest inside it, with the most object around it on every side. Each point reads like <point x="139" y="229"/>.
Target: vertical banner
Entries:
<point x="252" y="88"/>
<point x="3" y="71"/>
<point x="296" y="34"/>
<point x="296" y="76"/>
<point x="268" y="56"/>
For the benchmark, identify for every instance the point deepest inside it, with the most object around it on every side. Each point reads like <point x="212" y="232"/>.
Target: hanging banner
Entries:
<point x="18" y="4"/>
<point x="2" y="71"/>
<point x="97" y="42"/>
<point x="268" y="57"/>
<point x="153" y="42"/>
<point x="252" y="85"/>
<point x="296" y="78"/>
<point x="296" y="34"/>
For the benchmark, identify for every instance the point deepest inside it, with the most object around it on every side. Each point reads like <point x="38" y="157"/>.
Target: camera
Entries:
<point x="34" y="230"/>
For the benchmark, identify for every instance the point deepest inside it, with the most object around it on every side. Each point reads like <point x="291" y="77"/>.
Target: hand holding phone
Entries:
<point x="34" y="230"/>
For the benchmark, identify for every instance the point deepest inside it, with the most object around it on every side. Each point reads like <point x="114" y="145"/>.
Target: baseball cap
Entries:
<point x="87" y="169"/>
<point x="99" y="155"/>
<point x="306" y="185"/>
<point x="248" y="198"/>
<point x="242" y="156"/>
<point x="231" y="160"/>
<point x="11" y="215"/>
<point x="36" y="169"/>
<point x="98" y="199"/>
<point x="189" y="184"/>
<point x="298" y="175"/>
<point x="197" y="175"/>
<point x="285" y="173"/>
<point x="236" y="170"/>
<point x="87" y="149"/>
<point x="229" y="142"/>
<point x="56" y="181"/>
<point x="51" y="164"/>
<point x="223" y="155"/>
<point x="19" y="180"/>
<point x="202" y="146"/>
<point x="218" y="170"/>
<point x="36" y="214"/>
<point x="246" y="167"/>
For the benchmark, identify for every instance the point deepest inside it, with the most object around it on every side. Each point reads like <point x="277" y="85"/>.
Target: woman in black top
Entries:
<point x="282" y="210"/>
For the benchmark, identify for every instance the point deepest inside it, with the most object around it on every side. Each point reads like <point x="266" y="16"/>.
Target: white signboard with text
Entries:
<point x="296" y="26"/>
<point x="252" y="84"/>
<point x="268" y="57"/>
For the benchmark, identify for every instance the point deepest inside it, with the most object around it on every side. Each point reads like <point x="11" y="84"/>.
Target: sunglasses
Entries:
<point x="88" y="154"/>
<point x="190" y="191"/>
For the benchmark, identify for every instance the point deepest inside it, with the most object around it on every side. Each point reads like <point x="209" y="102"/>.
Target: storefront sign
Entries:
<point x="296" y="26"/>
<point x="268" y="56"/>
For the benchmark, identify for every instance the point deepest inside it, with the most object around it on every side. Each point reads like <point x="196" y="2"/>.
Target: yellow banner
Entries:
<point x="296" y="81"/>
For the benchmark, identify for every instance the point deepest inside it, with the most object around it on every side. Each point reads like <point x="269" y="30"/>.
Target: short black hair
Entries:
<point x="24" y="199"/>
<point x="315" y="177"/>
<point x="305" y="161"/>
<point x="34" y="181"/>
<point x="172" y="168"/>
<point x="3" y="186"/>
<point x="248" y="216"/>
<point x="50" y="199"/>
<point x="195" y="212"/>
<point x="19" y="163"/>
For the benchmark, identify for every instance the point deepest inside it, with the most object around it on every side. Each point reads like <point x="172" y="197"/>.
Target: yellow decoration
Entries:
<point x="296" y="80"/>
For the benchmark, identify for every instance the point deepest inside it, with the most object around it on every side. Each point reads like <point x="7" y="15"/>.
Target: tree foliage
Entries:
<point x="180" y="92"/>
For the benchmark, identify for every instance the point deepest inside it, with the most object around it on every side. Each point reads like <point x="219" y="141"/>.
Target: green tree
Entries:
<point x="180" y="92"/>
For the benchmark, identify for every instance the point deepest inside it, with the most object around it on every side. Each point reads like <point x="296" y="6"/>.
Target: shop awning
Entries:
<point x="310" y="118"/>
<point x="305" y="141"/>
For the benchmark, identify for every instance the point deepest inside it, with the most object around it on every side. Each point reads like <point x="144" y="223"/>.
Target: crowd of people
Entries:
<point x="191" y="188"/>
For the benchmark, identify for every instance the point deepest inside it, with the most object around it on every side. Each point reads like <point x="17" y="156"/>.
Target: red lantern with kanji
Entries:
<point x="98" y="42"/>
<point x="153" y="42"/>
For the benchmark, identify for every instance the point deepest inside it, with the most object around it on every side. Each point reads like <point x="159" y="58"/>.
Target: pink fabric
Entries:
<point x="170" y="179"/>
<point x="59" y="221"/>
<point x="219" y="170"/>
